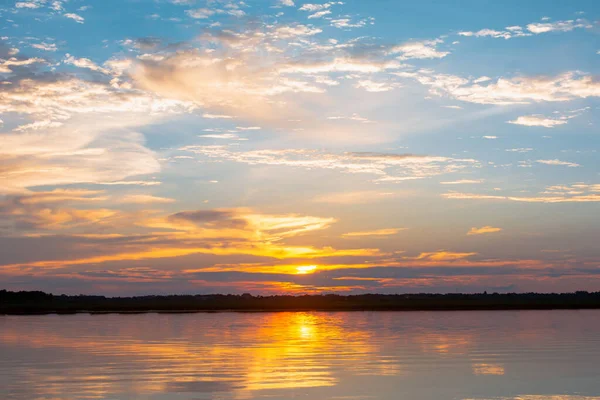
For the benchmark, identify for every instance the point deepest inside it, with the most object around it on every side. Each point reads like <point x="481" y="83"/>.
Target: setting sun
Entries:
<point x="306" y="269"/>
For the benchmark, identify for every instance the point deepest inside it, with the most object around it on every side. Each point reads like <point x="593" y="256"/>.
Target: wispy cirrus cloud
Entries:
<point x="538" y="120"/>
<point x="507" y="91"/>
<point x="575" y="193"/>
<point x="385" y="166"/>
<point x="75" y="17"/>
<point x="548" y="122"/>
<point x="559" y="162"/>
<point x="376" y="232"/>
<point x="534" y="28"/>
<point x="483" y="230"/>
<point x="419" y="50"/>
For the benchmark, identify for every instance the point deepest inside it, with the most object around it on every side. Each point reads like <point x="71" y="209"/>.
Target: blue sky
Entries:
<point x="183" y="146"/>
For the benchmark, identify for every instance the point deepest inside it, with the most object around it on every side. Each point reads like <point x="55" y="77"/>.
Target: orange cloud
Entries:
<point x="378" y="232"/>
<point x="443" y="255"/>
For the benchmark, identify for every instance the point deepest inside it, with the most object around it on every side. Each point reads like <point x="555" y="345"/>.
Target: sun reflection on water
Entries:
<point x="259" y="355"/>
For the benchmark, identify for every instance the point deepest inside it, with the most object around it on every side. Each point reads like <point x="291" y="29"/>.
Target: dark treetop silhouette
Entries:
<point x="40" y="302"/>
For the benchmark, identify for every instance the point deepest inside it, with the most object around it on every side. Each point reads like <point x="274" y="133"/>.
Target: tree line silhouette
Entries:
<point x="37" y="302"/>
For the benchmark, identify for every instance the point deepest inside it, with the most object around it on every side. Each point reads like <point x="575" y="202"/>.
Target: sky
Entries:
<point x="290" y="147"/>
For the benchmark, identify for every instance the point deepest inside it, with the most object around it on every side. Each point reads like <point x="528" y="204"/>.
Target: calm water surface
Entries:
<point x="530" y="355"/>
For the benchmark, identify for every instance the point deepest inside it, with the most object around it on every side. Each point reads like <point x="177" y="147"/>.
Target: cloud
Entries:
<point x="378" y="232"/>
<point x="387" y="167"/>
<point x="75" y="17"/>
<point x="50" y="210"/>
<point x="317" y="7"/>
<point x="507" y="91"/>
<point x="216" y="116"/>
<point x="463" y="182"/>
<point x="558" y="162"/>
<point x="75" y="135"/>
<point x="29" y="4"/>
<point x="200" y="13"/>
<point x="84" y="63"/>
<point x="339" y="65"/>
<point x="540" y="120"/>
<point x="576" y="193"/>
<point x="229" y="8"/>
<point x="346" y="23"/>
<point x="443" y="255"/>
<point x="534" y="28"/>
<point x="419" y="50"/>
<point x="483" y="230"/>
<point x="216" y="232"/>
<point x="9" y="65"/>
<point x="558" y="26"/>
<point x="45" y="46"/>
<point x="353" y="197"/>
<point x="510" y="32"/>
<point x="223" y="136"/>
<point x="286" y="3"/>
<point x="232" y="83"/>
<point x="536" y="120"/>
<point x="145" y="199"/>
<point x="319" y="14"/>
<point x="374" y="87"/>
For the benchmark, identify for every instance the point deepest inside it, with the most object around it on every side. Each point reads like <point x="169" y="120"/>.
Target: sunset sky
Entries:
<point x="283" y="146"/>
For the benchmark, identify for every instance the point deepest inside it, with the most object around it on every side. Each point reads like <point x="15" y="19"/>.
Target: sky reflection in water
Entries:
<point x="521" y="355"/>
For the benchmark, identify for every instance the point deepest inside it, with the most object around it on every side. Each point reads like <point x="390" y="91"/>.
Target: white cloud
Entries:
<point x="509" y="33"/>
<point x="319" y="14"/>
<point x="77" y="18"/>
<point x="223" y="136"/>
<point x="293" y="31"/>
<point x="317" y="7"/>
<point x="345" y="23"/>
<point x="534" y="28"/>
<point x="200" y="13"/>
<point x="559" y="162"/>
<point x="44" y="46"/>
<point x="7" y="66"/>
<point x="339" y="65"/>
<point x="387" y="167"/>
<point x="537" y="120"/>
<point x="419" y="50"/>
<point x="540" y="120"/>
<point x="84" y="63"/>
<point x="232" y="9"/>
<point x="216" y="116"/>
<point x="29" y="4"/>
<point x="506" y="91"/>
<point x="145" y="199"/>
<point x="80" y="132"/>
<point x="585" y="197"/>
<point x="559" y="26"/>
<point x="372" y="86"/>
<point x="463" y="182"/>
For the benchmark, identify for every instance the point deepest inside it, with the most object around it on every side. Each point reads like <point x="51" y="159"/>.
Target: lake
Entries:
<point x="528" y="355"/>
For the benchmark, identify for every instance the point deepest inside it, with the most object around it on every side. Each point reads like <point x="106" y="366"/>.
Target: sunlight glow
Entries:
<point x="306" y="269"/>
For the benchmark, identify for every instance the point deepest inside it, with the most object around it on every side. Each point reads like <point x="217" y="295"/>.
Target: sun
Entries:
<point x="306" y="269"/>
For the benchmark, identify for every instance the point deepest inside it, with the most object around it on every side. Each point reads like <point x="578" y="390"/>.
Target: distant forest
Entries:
<point x="36" y="302"/>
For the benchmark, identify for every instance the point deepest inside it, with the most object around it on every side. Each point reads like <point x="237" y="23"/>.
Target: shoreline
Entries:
<point x="40" y="303"/>
<point x="283" y="310"/>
